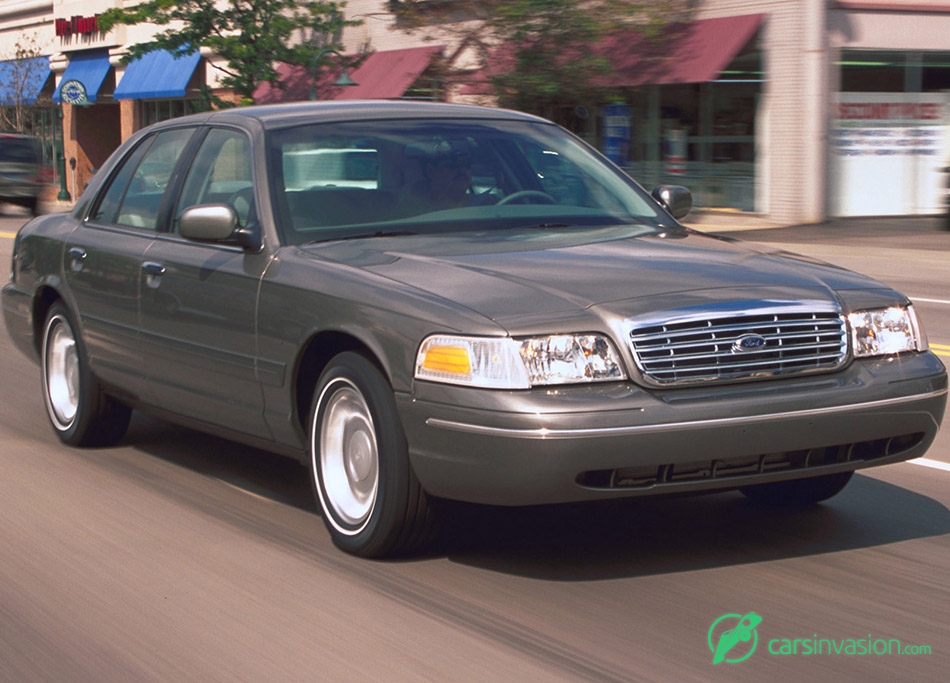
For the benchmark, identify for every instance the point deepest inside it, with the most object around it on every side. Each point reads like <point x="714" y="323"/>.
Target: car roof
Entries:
<point x="7" y="137"/>
<point x="14" y="142"/>
<point x="296" y="113"/>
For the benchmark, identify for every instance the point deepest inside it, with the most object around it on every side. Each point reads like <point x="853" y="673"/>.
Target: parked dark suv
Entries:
<point x="21" y="170"/>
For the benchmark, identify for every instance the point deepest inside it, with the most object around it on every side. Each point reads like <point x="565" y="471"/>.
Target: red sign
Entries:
<point x="77" y="26"/>
<point x="921" y="111"/>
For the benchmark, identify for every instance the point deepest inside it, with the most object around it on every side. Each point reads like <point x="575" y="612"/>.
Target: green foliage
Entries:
<point x="540" y="54"/>
<point x="251" y="36"/>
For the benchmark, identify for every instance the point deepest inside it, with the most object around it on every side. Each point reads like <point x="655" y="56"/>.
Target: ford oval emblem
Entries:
<point x="748" y="342"/>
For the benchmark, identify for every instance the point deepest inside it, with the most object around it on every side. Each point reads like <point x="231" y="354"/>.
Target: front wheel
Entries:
<point x="372" y="503"/>
<point x="80" y="413"/>
<point x="798" y="492"/>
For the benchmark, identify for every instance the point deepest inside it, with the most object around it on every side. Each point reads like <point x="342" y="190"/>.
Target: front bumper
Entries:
<point x="614" y="440"/>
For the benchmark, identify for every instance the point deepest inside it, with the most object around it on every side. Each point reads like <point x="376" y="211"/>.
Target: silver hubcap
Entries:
<point x="349" y="457"/>
<point x="62" y="373"/>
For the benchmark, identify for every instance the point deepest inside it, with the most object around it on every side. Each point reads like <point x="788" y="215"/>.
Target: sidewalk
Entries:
<point x="727" y="221"/>
<point x="884" y="227"/>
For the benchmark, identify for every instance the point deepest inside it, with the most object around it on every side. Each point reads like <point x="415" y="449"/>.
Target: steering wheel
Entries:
<point x="544" y="197"/>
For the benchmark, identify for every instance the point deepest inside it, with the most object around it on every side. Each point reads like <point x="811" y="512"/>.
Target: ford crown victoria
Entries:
<point x="425" y="302"/>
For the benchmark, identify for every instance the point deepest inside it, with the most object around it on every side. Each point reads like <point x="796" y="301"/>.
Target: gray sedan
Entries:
<point x="426" y="302"/>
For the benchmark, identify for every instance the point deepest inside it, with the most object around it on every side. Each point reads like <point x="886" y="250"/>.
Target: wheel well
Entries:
<point x="318" y="352"/>
<point x="44" y="300"/>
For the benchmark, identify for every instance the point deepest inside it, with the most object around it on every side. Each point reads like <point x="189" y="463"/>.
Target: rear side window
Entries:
<point x="308" y="165"/>
<point x="135" y="194"/>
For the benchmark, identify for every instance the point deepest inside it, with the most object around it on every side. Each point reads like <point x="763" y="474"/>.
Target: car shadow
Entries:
<point x="255" y="471"/>
<point x="640" y="537"/>
<point x="591" y="541"/>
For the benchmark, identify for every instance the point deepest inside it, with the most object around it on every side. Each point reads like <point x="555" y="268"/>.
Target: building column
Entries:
<point x="130" y="118"/>
<point x="816" y="108"/>
<point x="70" y="149"/>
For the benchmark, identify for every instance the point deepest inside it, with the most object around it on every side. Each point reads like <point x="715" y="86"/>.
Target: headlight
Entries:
<point x="505" y="363"/>
<point x="885" y="331"/>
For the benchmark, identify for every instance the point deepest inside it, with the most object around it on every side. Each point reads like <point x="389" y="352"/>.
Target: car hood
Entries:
<point x="515" y="275"/>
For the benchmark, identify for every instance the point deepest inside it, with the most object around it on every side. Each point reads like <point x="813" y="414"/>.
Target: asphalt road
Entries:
<point x="178" y="556"/>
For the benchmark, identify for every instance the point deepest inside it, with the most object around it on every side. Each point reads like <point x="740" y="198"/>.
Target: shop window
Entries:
<point x="154" y="111"/>
<point x="935" y="68"/>
<point x="890" y="71"/>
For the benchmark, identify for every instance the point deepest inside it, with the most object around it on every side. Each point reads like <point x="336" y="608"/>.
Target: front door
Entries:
<point x="198" y="301"/>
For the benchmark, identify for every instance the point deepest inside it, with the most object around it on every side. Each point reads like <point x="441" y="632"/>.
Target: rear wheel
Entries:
<point x="80" y="413"/>
<point x="372" y="503"/>
<point x="798" y="492"/>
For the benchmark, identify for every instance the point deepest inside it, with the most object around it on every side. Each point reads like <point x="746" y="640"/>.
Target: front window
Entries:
<point x="335" y="181"/>
<point x="221" y="174"/>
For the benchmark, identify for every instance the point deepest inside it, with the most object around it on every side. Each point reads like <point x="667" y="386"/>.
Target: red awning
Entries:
<point x="380" y="76"/>
<point x="693" y="52"/>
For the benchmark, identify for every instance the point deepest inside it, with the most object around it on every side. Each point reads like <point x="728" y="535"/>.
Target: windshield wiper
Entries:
<point x="544" y="226"/>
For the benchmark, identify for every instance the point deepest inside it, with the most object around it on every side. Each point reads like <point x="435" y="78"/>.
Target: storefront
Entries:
<point x="26" y="107"/>
<point x="823" y="110"/>
<point x="693" y="111"/>
<point x="889" y="140"/>
<point x="794" y="110"/>
<point x="104" y="100"/>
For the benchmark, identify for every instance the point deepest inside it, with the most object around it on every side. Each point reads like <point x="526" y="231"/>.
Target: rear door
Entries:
<point x="198" y="301"/>
<point x="103" y="258"/>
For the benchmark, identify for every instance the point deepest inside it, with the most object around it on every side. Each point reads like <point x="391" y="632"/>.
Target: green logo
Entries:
<point x="735" y="634"/>
<point x="73" y="92"/>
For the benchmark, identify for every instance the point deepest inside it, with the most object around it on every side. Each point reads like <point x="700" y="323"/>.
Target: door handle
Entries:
<point x="153" y="274"/>
<point x="151" y="268"/>
<point x="76" y="256"/>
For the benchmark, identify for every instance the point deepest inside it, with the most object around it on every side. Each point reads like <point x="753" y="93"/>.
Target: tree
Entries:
<point x="21" y="76"/>
<point x="541" y="56"/>
<point x="251" y="36"/>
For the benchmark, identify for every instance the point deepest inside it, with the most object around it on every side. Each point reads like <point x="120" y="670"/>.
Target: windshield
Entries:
<point x="344" y="181"/>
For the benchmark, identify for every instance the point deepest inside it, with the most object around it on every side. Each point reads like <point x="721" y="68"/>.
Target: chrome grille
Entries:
<point x="740" y="342"/>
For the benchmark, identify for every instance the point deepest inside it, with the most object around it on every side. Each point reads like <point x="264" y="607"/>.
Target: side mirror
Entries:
<point x="217" y="223"/>
<point x="677" y="199"/>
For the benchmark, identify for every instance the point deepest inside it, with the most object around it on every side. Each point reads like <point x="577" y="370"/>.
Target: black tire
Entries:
<point x="80" y="413"/>
<point x="372" y="503"/>
<point x="798" y="492"/>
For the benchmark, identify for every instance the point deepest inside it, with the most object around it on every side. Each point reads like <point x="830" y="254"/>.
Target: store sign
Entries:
<point x="73" y="92"/>
<point x="882" y="125"/>
<point x="889" y="111"/>
<point x="616" y="139"/>
<point x="888" y="152"/>
<point x="77" y="26"/>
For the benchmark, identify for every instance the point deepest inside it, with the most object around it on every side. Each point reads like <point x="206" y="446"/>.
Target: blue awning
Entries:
<point x="21" y="80"/>
<point x="158" y="74"/>
<point x="89" y="68"/>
